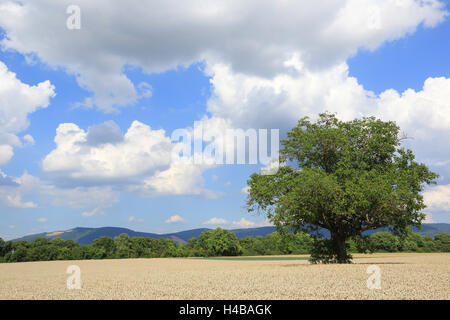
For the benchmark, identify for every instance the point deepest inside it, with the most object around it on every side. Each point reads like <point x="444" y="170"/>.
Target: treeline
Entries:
<point x="218" y="242"/>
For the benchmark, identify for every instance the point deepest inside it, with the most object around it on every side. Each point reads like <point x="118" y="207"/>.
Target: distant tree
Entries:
<point x="19" y="255"/>
<point x="88" y="252"/>
<point x="2" y="247"/>
<point x="107" y="244"/>
<point x="192" y="248"/>
<point x="442" y="242"/>
<point x="64" y="253"/>
<point x="123" y="246"/>
<point x="248" y="246"/>
<point x="167" y="247"/>
<point x="219" y="242"/>
<point x="385" y="242"/>
<point x="58" y="242"/>
<point x="346" y="177"/>
<point x="302" y="243"/>
<point x="141" y="247"/>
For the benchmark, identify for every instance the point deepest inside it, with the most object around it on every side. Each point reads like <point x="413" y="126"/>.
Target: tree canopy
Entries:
<point x="344" y="176"/>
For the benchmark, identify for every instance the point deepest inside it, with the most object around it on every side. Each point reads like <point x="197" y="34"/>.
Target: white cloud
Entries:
<point x="216" y="221"/>
<point x="245" y="190"/>
<point x="140" y="161"/>
<point x="93" y="212"/>
<point x="250" y="101"/>
<point x="6" y="153"/>
<point x="437" y="198"/>
<point x="181" y="178"/>
<point x="15" y="189"/>
<point x="244" y="223"/>
<point x="17" y="101"/>
<point x="429" y="218"/>
<point x="133" y="219"/>
<point x="255" y="102"/>
<point x="175" y="219"/>
<point x="42" y="220"/>
<point x="15" y="201"/>
<point x="140" y="152"/>
<point x="29" y="140"/>
<point x="270" y="64"/>
<point x="254" y="37"/>
<point x="6" y="180"/>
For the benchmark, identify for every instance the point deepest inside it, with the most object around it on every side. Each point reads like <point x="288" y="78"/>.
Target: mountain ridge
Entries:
<point x="84" y="235"/>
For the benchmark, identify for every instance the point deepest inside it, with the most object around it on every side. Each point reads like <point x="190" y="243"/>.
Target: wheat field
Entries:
<point x="403" y="276"/>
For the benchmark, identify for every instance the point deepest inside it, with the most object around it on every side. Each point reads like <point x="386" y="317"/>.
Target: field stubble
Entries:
<point x="403" y="276"/>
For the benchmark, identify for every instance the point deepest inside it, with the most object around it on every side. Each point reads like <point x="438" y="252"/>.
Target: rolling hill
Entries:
<point x="88" y="235"/>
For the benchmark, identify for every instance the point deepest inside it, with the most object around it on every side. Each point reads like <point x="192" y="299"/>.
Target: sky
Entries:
<point x="92" y="92"/>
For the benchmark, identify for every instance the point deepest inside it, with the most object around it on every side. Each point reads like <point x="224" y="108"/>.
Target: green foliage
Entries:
<point x="122" y="244"/>
<point x="346" y="177"/>
<point x="324" y="251"/>
<point x="2" y="247"/>
<point x="219" y="242"/>
<point x="105" y="246"/>
<point x="442" y="241"/>
<point x="385" y="242"/>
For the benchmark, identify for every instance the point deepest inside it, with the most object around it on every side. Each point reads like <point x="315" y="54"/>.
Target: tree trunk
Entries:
<point x="340" y="248"/>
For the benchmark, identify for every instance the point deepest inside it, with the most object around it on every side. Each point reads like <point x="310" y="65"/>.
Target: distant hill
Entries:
<point x="88" y="235"/>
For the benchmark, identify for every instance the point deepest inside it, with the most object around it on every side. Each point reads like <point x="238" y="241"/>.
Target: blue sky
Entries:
<point x="201" y="69"/>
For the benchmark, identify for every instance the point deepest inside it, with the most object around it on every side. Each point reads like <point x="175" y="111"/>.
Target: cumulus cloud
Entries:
<point x="216" y="221"/>
<point x="244" y="223"/>
<point x="437" y="198"/>
<point x="250" y="101"/>
<point x="270" y="63"/>
<point x="15" y="201"/>
<point x="429" y="218"/>
<point x="6" y="180"/>
<point x="93" y="212"/>
<point x="12" y="193"/>
<point x="107" y="132"/>
<point x="6" y="153"/>
<point x="245" y="190"/>
<point x="86" y="156"/>
<point x="175" y="219"/>
<point x="17" y="101"/>
<point x="141" y="161"/>
<point x="254" y="37"/>
<point x="29" y="140"/>
<point x="19" y="188"/>
<point x="181" y="178"/>
<point x="134" y="219"/>
<point x="255" y="102"/>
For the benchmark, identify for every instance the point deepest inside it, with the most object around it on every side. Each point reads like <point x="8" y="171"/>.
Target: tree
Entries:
<point x="107" y="244"/>
<point x="443" y="242"/>
<point x="141" y="247"/>
<point x="167" y="247"/>
<point x="123" y="245"/>
<point x="346" y="177"/>
<point x="219" y="242"/>
<point x="2" y="247"/>
<point x="384" y="242"/>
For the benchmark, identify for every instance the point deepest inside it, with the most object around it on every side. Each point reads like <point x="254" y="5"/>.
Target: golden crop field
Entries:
<point x="403" y="276"/>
